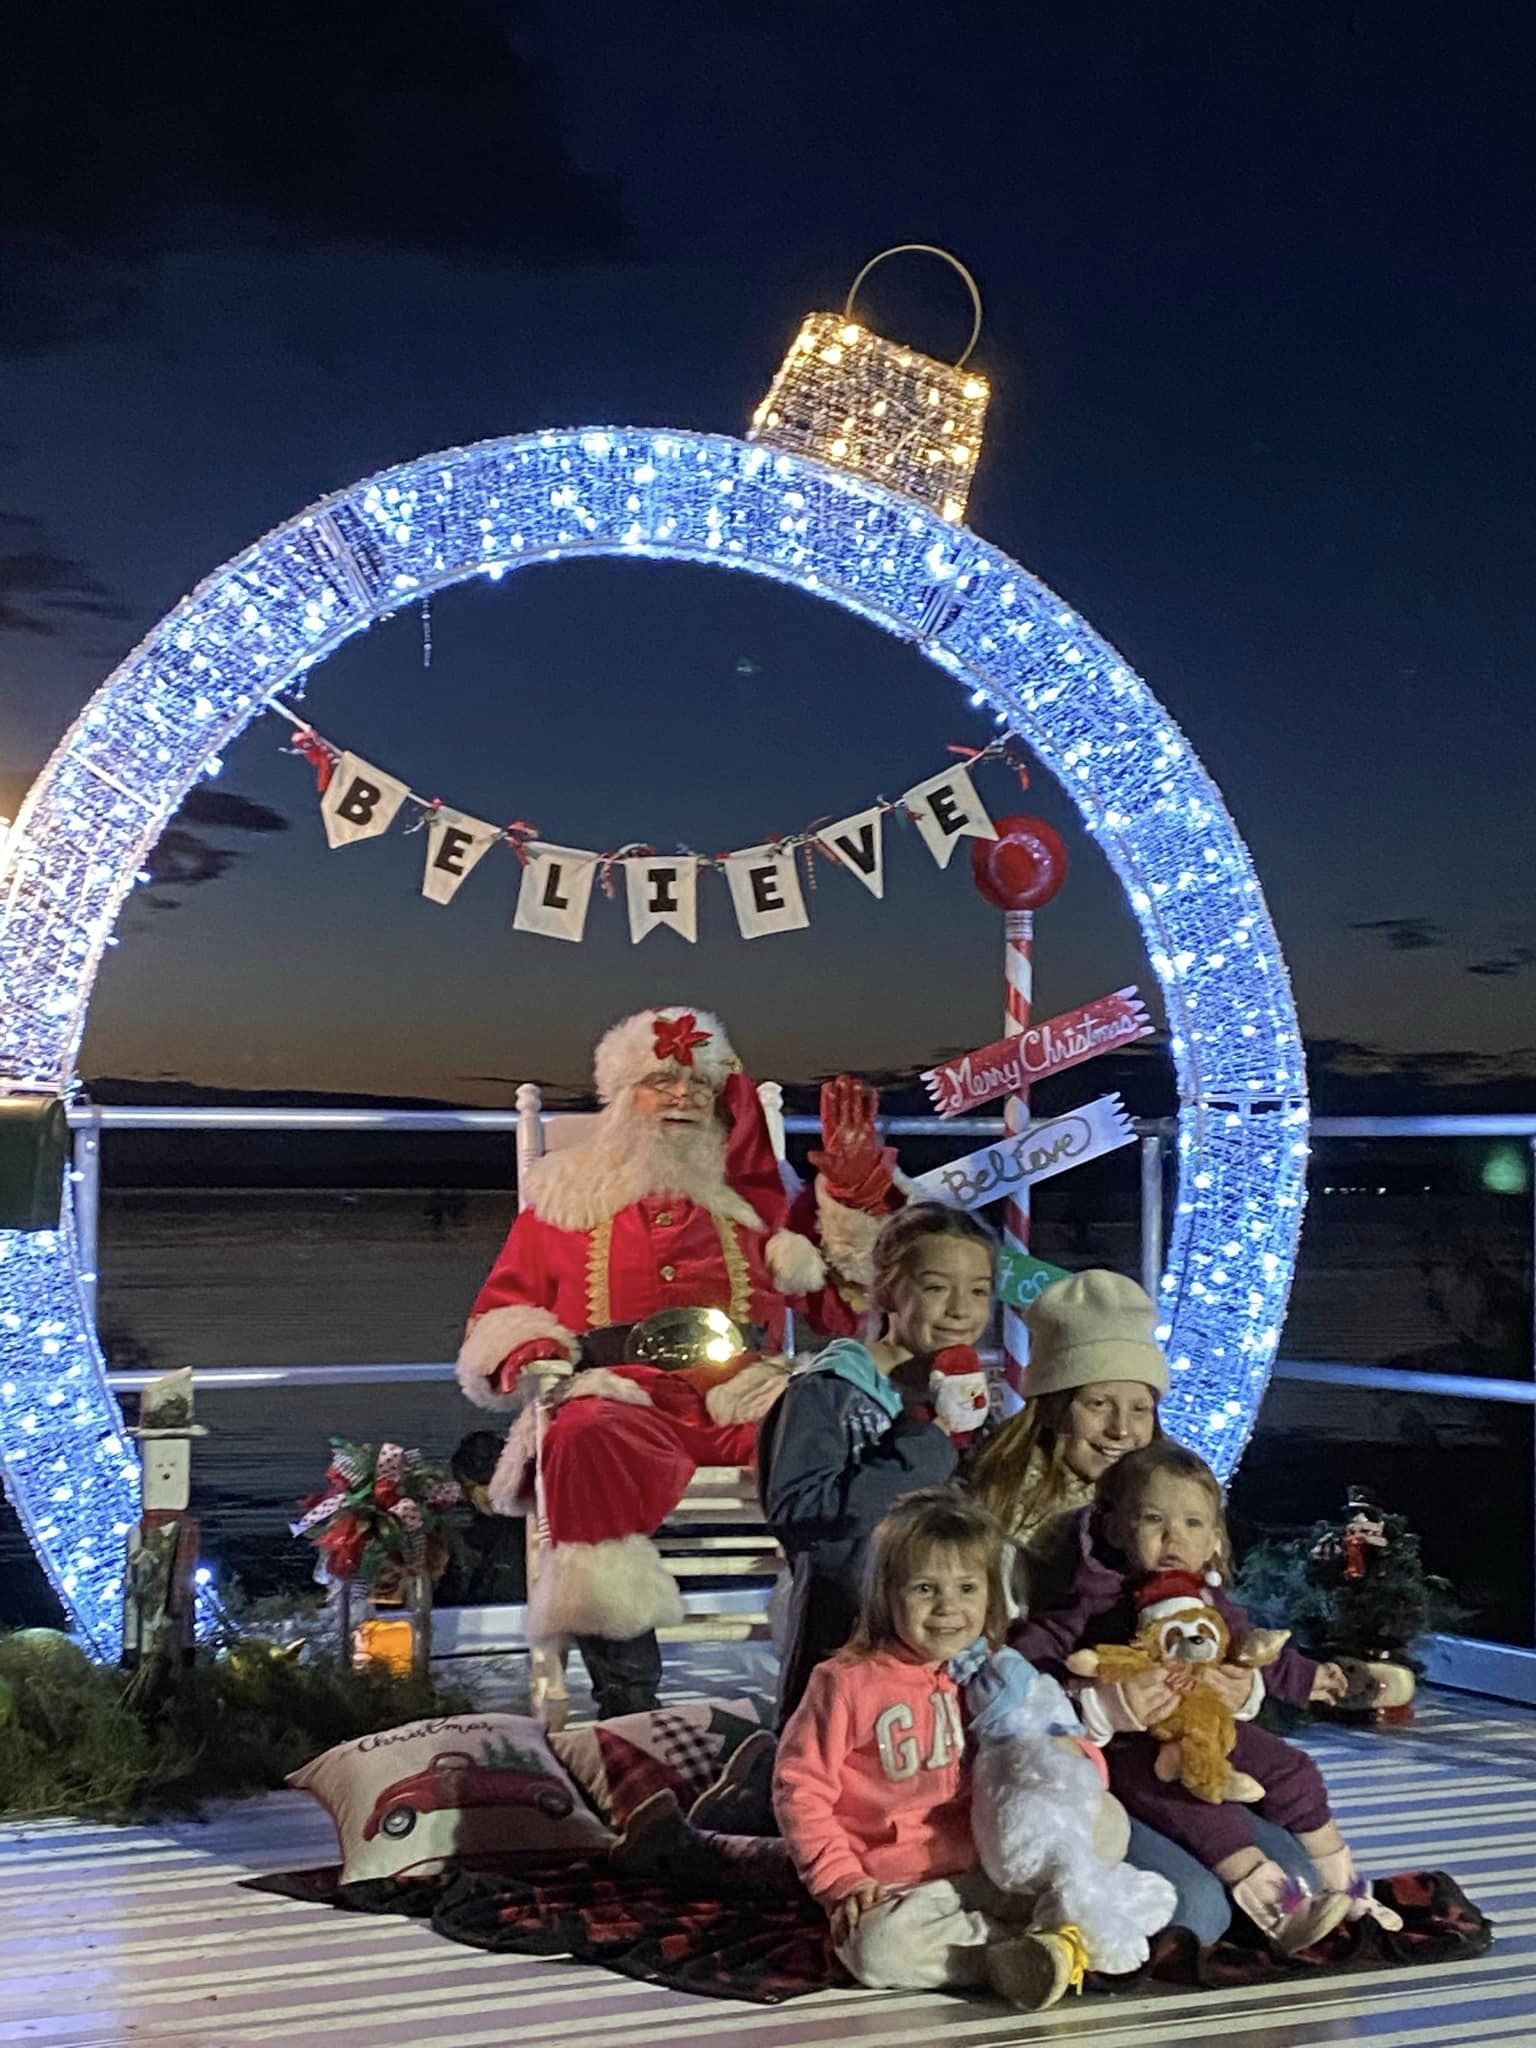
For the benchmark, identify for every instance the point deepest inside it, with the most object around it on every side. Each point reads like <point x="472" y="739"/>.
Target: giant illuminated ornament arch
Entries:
<point x="158" y="722"/>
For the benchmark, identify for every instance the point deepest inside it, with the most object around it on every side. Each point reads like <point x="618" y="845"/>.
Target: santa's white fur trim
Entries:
<point x="598" y="1383"/>
<point x="496" y="1335"/>
<point x="796" y="1265"/>
<point x="583" y="1186"/>
<point x="627" y="1053"/>
<point x="511" y="1488"/>
<point x="616" y="1589"/>
<point x="847" y="1238"/>
<point x="748" y="1394"/>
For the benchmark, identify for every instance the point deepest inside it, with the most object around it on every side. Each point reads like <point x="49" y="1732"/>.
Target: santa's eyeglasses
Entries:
<point x="673" y="1083"/>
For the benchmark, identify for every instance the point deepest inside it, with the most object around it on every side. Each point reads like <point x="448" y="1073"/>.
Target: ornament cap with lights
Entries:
<point x="848" y="396"/>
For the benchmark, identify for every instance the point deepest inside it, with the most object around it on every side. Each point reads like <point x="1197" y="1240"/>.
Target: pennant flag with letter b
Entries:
<point x="360" y="802"/>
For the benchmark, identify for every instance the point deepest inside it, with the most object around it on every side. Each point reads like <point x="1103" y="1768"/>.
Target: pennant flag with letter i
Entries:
<point x="662" y="892"/>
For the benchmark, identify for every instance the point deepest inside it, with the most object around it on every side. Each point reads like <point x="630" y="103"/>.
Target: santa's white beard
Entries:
<point x="659" y="1158"/>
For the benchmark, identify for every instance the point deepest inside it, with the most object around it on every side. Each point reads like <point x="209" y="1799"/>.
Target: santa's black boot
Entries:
<point x="625" y="1676"/>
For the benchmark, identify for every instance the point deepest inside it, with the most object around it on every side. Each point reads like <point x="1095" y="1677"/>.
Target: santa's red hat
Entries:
<point x="959" y="1361"/>
<point x="672" y="1040"/>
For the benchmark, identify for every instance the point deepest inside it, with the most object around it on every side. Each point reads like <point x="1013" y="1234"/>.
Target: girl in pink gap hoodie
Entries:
<point x="872" y="1787"/>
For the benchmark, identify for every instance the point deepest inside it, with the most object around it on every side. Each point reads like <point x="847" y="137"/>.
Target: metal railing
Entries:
<point x="1455" y="1660"/>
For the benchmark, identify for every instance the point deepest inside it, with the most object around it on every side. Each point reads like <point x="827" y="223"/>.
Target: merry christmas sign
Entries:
<point x="1012" y="1065"/>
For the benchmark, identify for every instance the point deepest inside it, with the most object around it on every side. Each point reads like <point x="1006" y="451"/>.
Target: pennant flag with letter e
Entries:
<point x="1037" y="1153"/>
<point x="662" y="892"/>
<point x="455" y="847"/>
<point x="1011" y="1065"/>
<point x="858" y="843"/>
<point x="360" y="802"/>
<point x="946" y="809"/>
<point x="557" y="887"/>
<point x="766" y="892"/>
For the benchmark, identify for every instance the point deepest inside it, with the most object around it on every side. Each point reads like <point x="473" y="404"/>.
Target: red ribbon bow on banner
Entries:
<point x="676" y="1038"/>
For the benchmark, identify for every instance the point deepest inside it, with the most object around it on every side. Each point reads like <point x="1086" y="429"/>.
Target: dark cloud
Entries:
<point x="127" y="134"/>
<point x="1405" y="934"/>
<point x="1502" y="965"/>
<point x="225" y="808"/>
<point x="41" y="588"/>
<point x="183" y="860"/>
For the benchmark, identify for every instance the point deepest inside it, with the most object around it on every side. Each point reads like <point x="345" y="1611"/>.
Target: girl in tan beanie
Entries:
<point x="1095" y="1376"/>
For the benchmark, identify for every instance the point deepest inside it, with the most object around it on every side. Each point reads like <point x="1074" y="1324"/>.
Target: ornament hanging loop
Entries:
<point x="926" y="249"/>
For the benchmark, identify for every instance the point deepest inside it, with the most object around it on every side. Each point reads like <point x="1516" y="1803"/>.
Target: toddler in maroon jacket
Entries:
<point x="1160" y="1510"/>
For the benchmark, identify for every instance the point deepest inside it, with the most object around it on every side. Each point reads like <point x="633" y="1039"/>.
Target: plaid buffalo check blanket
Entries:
<point x="774" y="1950"/>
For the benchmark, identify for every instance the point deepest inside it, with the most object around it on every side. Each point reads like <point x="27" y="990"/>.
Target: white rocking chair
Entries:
<point x="716" y="1531"/>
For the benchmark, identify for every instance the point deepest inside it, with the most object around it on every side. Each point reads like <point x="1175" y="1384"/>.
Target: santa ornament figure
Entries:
<point x="676" y="1202"/>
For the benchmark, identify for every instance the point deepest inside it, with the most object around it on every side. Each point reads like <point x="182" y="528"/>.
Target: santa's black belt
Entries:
<point x="611" y="1344"/>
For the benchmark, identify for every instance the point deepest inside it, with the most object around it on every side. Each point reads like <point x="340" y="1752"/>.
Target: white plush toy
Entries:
<point x="957" y="1386"/>
<point x="1045" y="1824"/>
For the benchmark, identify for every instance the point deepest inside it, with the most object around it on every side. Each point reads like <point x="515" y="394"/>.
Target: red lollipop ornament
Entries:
<point x="1023" y="867"/>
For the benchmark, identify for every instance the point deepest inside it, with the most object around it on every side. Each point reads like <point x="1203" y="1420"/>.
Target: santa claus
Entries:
<point x="676" y="1201"/>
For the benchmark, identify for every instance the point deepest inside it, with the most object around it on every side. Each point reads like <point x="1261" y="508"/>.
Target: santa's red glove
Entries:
<point x="538" y="1350"/>
<point x="855" y="1168"/>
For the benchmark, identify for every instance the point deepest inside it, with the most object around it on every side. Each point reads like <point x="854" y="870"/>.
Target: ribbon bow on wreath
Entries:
<point x="380" y="1514"/>
<point x="677" y="1037"/>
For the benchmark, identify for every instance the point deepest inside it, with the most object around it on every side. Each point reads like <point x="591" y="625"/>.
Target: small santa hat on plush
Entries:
<point x="957" y="1361"/>
<point x="1168" y="1593"/>
<point x="674" y="1040"/>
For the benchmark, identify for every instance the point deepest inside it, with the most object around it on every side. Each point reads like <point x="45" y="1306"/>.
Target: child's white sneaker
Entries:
<point x="1281" y="1907"/>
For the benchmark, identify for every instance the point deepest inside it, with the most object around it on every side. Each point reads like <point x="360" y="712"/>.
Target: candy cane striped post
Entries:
<point x="1019" y="974"/>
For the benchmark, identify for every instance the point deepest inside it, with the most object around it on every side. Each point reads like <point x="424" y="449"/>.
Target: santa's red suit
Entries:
<point x="595" y="1246"/>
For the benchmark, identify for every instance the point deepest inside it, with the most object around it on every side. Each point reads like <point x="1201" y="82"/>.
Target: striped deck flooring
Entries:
<point x="140" y="1936"/>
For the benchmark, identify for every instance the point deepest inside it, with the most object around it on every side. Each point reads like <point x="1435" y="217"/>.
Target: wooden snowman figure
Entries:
<point x="160" y="1584"/>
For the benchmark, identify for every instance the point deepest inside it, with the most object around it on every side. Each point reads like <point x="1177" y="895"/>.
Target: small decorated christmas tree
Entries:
<point x="1355" y="1592"/>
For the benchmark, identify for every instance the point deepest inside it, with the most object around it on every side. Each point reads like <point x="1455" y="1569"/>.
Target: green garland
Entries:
<point x="72" y="1740"/>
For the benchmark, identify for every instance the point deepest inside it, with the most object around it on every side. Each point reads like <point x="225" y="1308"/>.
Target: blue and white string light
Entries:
<point x="166" y="716"/>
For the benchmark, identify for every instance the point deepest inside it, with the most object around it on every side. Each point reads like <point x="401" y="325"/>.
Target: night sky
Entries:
<point x="1259" y="292"/>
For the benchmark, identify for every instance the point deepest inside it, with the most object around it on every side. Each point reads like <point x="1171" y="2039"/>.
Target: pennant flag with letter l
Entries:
<point x="946" y="809"/>
<point x="766" y="892"/>
<point x="1022" y="1278"/>
<point x="360" y="802"/>
<point x="556" y="890"/>
<point x="455" y="847"/>
<point x="858" y="842"/>
<point x="662" y="892"/>
<point x="1010" y="1065"/>
<point x="1038" y="1152"/>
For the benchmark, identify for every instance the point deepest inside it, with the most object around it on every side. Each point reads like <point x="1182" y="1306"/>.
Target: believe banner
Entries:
<point x="1037" y="1153"/>
<point x="359" y="801"/>
<point x="1012" y="1065"/>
